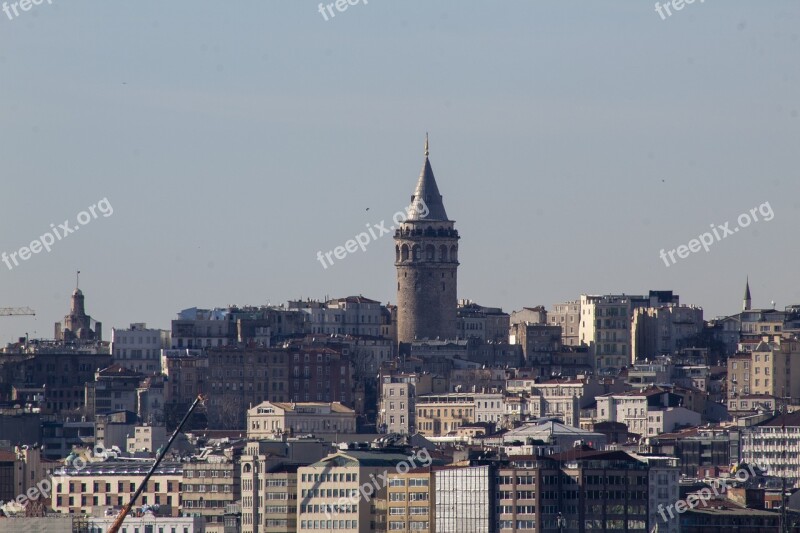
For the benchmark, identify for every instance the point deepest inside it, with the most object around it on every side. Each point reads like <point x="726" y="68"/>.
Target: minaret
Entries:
<point x="426" y="257"/>
<point x="746" y="302"/>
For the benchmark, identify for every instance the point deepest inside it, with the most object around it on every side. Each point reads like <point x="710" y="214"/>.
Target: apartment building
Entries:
<point x="663" y="489"/>
<point x="113" y="389"/>
<point x="239" y="377"/>
<point x="539" y="341"/>
<point x="558" y="436"/>
<point x="352" y="315"/>
<point x="606" y="325"/>
<point x="398" y="394"/>
<point x="775" y="444"/>
<point x="147" y="439"/>
<point x="464" y="499"/>
<point x="531" y="315"/>
<point x="146" y="522"/>
<point x="646" y="412"/>
<point x="565" y="408"/>
<point x="269" y="482"/>
<point x="766" y="369"/>
<point x="138" y="348"/>
<point x="262" y="326"/>
<point x="438" y="414"/>
<point x="411" y="499"/>
<point x="97" y="486"/>
<point x="488" y="324"/>
<point x="333" y="492"/>
<point x="55" y="373"/>
<point x="268" y="419"/>
<point x="21" y="469"/>
<point x="520" y="495"/>
<point x="701" y="451"/>
<point x="599" y="490"/>
<point x="568" y="316"/>
<point x="749" y="403"/>
<point x="489" y="407"/>
<point x="209" y="485"/>
<point x="585" y="389"/>
<point x="606" y="328"/>
<point x="187" y="373"/>
<point x="664" y="330"/>
<point x="320" y="374"/>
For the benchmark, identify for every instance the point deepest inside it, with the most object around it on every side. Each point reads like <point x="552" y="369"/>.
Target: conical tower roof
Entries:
<point x="428" y="192"/>
<point x="747" y="289"/>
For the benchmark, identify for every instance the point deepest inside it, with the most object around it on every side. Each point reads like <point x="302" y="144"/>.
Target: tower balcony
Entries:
<point x="408" y="233"/>
<point x="414" y="253"/>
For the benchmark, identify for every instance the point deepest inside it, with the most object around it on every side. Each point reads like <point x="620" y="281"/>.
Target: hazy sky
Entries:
<point x="572" y="141"/>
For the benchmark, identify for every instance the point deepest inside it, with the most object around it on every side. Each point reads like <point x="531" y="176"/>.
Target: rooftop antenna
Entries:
<point x="77" y="279"/>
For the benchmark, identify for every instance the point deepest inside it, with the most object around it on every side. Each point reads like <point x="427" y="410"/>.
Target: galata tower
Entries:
<point x="426" y="257"/>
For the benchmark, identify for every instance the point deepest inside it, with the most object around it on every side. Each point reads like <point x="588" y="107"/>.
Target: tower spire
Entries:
<point x="426" y="202"/>
<point x="747" y="301"/>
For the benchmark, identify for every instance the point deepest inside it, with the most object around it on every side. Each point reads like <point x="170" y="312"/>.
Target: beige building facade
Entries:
<point x="438" y="414"/>
<point x="347" y="491"/>
<point x="268" y="419"/>
<point x="410" y="501"/>
<point x="766" y="370"/>
<point x="97" y="486"/>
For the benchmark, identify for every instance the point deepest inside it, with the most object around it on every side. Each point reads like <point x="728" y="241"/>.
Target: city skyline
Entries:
<point x="568" y="163"/>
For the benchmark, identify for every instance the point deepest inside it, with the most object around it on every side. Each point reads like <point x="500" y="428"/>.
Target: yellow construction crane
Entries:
<point x="17" y="311"/>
